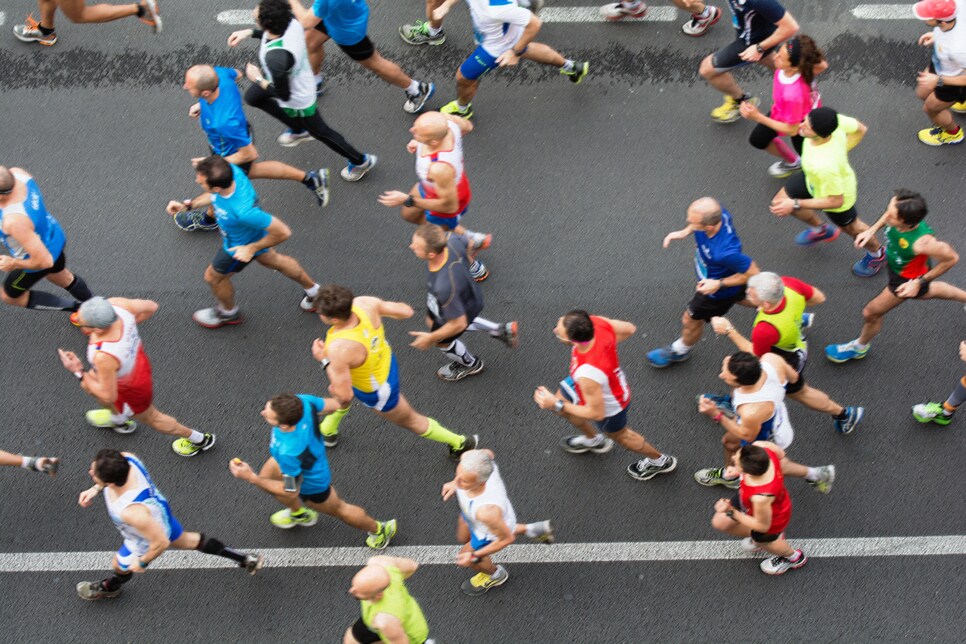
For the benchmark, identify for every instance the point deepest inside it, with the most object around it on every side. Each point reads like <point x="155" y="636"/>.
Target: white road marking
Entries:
<point x="592" y="14"/>
<point x="572" y="553"/>
<point x="3" y="18"/>
<point x="236" y="17"/>
<point x="884" y="12"/>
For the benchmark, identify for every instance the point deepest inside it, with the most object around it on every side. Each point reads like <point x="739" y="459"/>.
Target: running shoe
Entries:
<point x="93" y="590"/>
<point x="579" y="444"/>
<point x="728" y="111"/>
<point x="320" y="86"/>
<point x="286" y="519"/>
<point x="809" y="237"/>
<point x="510" y="334"/>
<point x="931" y="412"/>
<point x="959" y="108"/>
<point x="698" y="26"/>
<point x="290" y="138"/>
<point x="840" y="353"/>
<point x="782" y="169"/>
<point x="665" y="357"/>
<point x="577" y="74"/>
<point x="469" y="442"/>
<point x="307" y="304"/>
<point x="253" y="563"/>
<point x="457" y="370"/>
<point x="482" y="582"/>
<point x="478" y="271"/>
<point x="617" y="11"/>
<point x="151" y="16"/>
<point x="418" y="34"/>
<point x="478" y="241"/>
<point x="102" y="418"/>
<point x="319" y="184"/>
<point x="869" y="265"/>
<point x="826" y="476"/>
<point x="808" y="319"/>
<point x="645" y="469"/>
<point x="781" y="565"/>
<point x="853" y="416"/>
<point x="356" y="172"/>
<point x="191" y="220"/>
<point x="381" y="539"/>
<point x="184" y="447"/>
<point x="214" y="318"/>
<point x="715" y="476"/>
<point x="546" y="533"/>
<point x="723" y="403"/>
<point x="937" y="136"/>
<point x="453" y="107"/>
<point x="30" y="32"/>
<point x="414" y="103"/>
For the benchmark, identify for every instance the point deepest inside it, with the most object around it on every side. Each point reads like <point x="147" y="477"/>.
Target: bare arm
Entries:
<point x="492" y="517"/>
<point x="394" y="310"/>
<point x="339" y="373"/>
<point x="406" y="566"/>
<point x="940" y="251"/>
<point x="761" y="520"/>
<point x="243" y="155"/>
<point x="818" y="297"/>
<point x="465" y="125"/>
<point x="141" y="309"/>
<point x="856" y="137"/>
<point x="622" y="329"/>
<point x="101" y="381"/>
<point x="20" y="227"/>
<point x="786" y="28"/>
<point x="139" y="517"/>
<point x="593" y="407"/>
<point x="446" y="200"/>
<point x="278" y="231"/>
<point x="390" y="629"/>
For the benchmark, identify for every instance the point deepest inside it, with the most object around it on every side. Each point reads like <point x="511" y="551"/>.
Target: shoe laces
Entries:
<point x="480" y="579"/>
<point x="31" y="23"/>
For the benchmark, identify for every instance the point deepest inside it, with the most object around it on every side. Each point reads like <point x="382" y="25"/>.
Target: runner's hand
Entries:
<point x="707" y="407"/>
<point x="253" y="73"/>
<point x="238" y="36"/>
<point x="721" y="325"/>
<point x="926" y="39"/>
<point x="242" y="253"/>
<point x="782" y="207"/>
<point x="909" y="289"/>
<point x="70" y="361"/>
<point x="449" y="489"/>
<point x="507" y="59"/>
<point x="6" y="263"/>
<point x="174" y="207"/>
<point x="863" y="238"/>
<point x="412" y="146"/>
<point x="318" y="350"/>
<point x="393" y="198"/>
<point x="194" y="111"/>
<point x="751" y="54"/>
<point x="87" y="496"/>
<point x="240" y="469"/>
<point x="962" y="351"/>
<point x="422" y="340"/>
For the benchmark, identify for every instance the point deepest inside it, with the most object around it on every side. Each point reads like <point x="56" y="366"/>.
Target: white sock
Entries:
<point x="196" y="437"/>
<point x="535" y="529"/>
<point x="704" y="14"/>
<point x="568" y="65"/>
<point x="818" y="229"/>
<point x="413" y="88"/>
<point x="434" y="31"/>
<point x="482" y="324"/>
<point x="679" y="347"/>
<point x="313" y="291"/>
<point x="460" y="105"/>
<point x="590" y="442"/>
<point x="499" y="574"/>
<point x="812" y="474"/>
<point x="858" y="345"/>
<point x="225" y="311"/>
<point x="119" y="419"/>
<point x="659" y="461"/>
<point x="318" y="78"/>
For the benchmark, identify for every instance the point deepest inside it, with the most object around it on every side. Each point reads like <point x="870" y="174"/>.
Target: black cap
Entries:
<point x="824" y="121"/>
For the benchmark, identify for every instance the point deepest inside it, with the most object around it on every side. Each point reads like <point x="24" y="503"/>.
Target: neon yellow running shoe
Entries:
<point x="184" y="447"/>
<point x="482" y="582"/>
<point x="381" y="539"/>
<point x="286" y="519"/>
<point x="959" y="108"/>
<point x="730" y="111"/>
<point x="102" y="418"/>
<point x="453" y="107"/>
<point x="936" y="136"/>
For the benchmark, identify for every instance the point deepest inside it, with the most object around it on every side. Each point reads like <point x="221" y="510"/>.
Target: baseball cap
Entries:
<point x="935" y="9"/>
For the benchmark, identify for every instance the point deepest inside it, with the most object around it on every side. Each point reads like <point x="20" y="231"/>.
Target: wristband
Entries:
<point x="410" y="202"/>
<point x="796" y="204"/>
<point x="520" y="53"/>
<point x="717" y="418"/>
<point x="558" y="406"/>
<point x="324" y="364"/>
<point x="474" y="558"/>
<point x="759" y="49"/>
<point x="730" y="514"/>
<point x="79" y="375"/>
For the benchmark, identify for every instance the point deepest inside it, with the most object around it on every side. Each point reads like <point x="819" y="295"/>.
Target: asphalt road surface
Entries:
<point x="579" y="184"/>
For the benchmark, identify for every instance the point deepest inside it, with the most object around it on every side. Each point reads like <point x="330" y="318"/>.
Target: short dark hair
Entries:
<point x="288" y="408"/>
<point x="753" y="460"/>
<point x="334" y="301"/>
<point x="579" y="326"/>
<point x="274" y="16"/>
<point x="111" y="466"/>
<point x="911" y="207"/>
<point x="216" y="171"/>
<point x="434" y="236"/>
<point x="745" y="367"/>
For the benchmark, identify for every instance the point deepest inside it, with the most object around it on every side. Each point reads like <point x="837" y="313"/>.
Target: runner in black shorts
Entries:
<point x="940" y="87"/>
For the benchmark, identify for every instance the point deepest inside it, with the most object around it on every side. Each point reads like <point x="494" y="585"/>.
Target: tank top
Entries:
<point x="792" y="98"/>
<point x="372" y="373"/>
<point x="778" y="428"/>
<point x="397" y="601"/>
<point x="301" y="79"/>
<point x="601" y="365"/>
<point x="452" y="157"/>
<point x="493" y="494"/>
<point x="902" y="259"/>
<point x="787" y="321"/>
<point x="145" y="493"/>
<point x="45" y="226"/>
<point x="133" y="364"/>
<point x="781" y="507"/>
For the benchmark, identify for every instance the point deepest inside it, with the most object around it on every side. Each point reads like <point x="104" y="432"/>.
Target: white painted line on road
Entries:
<point x="592" y="14"/>
<point x="3" y="18"/>
<point x="572" y="553"/>
<point x="884" y="12"/>
<point x="236" y="17"/>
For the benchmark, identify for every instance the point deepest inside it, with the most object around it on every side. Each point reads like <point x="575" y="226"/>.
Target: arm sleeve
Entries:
<point x="763" y="338"/>
<point x="770" y="10"/>
<point x="280" y="64"/>
<point x="800" y="287"/>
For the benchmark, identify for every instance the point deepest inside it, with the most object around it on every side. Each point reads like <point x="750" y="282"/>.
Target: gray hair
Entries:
<point x="98" y="313"/>
<point x="479" y="463"/>
<point x="768" y="286"/>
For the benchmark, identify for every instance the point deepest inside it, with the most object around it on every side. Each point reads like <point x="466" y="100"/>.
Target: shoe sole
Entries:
<point x="417" y="109"/>
<point x="39" y="41"/>
<point x="580" y="75"/>
<point x="933" y="420"/>
<point x="627" y="16"/>
<point x="386" y="543"/>
<point x="600" y="449"/>
<point x="482" y="278"/>
<point x="294" y="142"/>
<point x="710" y="24"/>
<point x="707" y="483"/>
<point x="844" y="360"/>
<point x="234" y="322"/>
<point x="648" y="477"/>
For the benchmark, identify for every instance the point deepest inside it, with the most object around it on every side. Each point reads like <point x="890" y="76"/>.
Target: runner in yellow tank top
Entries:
<point x="360" y="364"/>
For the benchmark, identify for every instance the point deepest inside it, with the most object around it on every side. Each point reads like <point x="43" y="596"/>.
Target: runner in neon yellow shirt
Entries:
<point x="389" y="612"/>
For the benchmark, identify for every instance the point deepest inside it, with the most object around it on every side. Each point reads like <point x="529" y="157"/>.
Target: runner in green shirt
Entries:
<point x="389" y="612"/>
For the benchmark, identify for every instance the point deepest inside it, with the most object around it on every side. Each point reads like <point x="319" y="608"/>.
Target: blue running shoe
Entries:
<point x="853" y="416"/>
<point x="845" y="352"/>
<point x="868" y="265"/>
<point x="807" y="320"/>
<point x="665" y="356"/>
<point x="191" y="220"/>
<point x="721" y="402"/>
<point x="809" y="237"/>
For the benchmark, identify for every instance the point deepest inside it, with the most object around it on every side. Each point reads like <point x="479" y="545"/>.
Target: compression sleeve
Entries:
<point x="280" y="63"/>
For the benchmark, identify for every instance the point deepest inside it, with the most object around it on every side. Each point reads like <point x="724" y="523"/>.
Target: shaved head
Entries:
<point x="706" y="211"/>
<point x="369" y="582"/>
<point x="203" y="77"/>
<point x="431" y="126"/>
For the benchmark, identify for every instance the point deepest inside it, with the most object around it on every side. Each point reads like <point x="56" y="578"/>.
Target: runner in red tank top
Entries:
<point x="765" y="507"/>
<point x="596" y="393"/>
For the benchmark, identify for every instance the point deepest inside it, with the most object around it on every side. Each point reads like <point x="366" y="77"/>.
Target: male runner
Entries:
<point x="36" y="244"/>
<point x="722" y="269"/>
<point x="453" y="303"/>
<point x="430" y="31"/>
<point x="298" y="471"/>
<point x="504" y="34"/>
<point x="389" y="612"/>
<point x="942" y="413"/>
<point x="703" y="16"/>
<point x="763" y="508"/>
<point x="248" y="233"/>
<point x="827" y="182"/>
<point x="755" y="411"/>
<point x="361" y="364"/>
<point x="942" y="85"/>
<point x="143" y="517"/>
<point x="760" y="27"/>
<point x="487" y="522"/>
<point x="77" y="11"/>
<point x="442" y="194"/>
<point x="781" y="303"/>
<point x="911" y="249"/>
<point x="43" y="464"/>
<point x="285" y="88"/>
<point x="597" y="392"/>
<point x="120" y="373"/>
<point x="220" y="114"/>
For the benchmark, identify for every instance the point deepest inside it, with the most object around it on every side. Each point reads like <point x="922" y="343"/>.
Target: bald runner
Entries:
<point x="389" y="612"/>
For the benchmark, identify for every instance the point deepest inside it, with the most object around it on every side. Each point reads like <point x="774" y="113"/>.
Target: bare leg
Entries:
<point x="691" y="329"/>
<point x="221" y="287"/>
<point x="540" y="53"/>
<point x="48" y="8"/>
<point x="874" y="311"/>
<point x="406" y="417"/>
<point x="859" y="226"/>
<point x="724" y="82"/>
<point x="275" y="170"/>
<point x="938" y="112"/>
<point x="722" y="522"/>
<point x="944" y="291"/>
<point x="465" y="89"/>
<point x="349" y="514"/>
<point x="287" y="266"/>
<point x="818" y="400"/>
<point x="162" y="422"/>
<point x="387" y="70"/>
<point x="77" y="11"/>
<point x="271" y="470"/>
<point x="634" y="442"/>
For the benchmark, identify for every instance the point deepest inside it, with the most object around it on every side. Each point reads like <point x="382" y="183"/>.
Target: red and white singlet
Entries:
<point x="452" y="157"/>
<point x="134" y="385"/>
<point x="601" y="365"/>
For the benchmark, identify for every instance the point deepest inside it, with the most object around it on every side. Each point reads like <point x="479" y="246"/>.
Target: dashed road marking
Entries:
<point x="884" y="12"/>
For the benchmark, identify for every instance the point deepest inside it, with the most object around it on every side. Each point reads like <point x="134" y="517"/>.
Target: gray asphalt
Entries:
<point x="579" y="186"/>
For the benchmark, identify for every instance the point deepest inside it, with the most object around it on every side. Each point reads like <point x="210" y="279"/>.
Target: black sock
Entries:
<point x="44" y="30"/>
<point x="843" y="415"/>
<point x="140" y="10"/>
<point x="116" y="580"/>
<point x="48" y="302"/>
<point x="307" y="181"/>
<point x="78" y="288"/>
<point x="215" y="547"/>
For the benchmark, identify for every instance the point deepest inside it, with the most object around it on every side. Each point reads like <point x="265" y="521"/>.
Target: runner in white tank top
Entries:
<point x="778" y="428"/>
<point x="301" y="80"/>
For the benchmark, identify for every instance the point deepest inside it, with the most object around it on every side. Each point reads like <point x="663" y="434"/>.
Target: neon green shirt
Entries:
<point x="826" y="167"/>
<point x="397" y="601"/>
